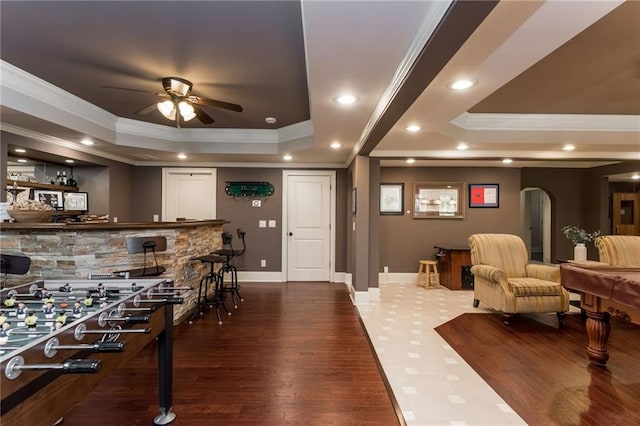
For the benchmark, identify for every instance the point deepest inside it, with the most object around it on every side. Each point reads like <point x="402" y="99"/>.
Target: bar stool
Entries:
<point x="218" y="293"/>
<point x="227" y="267"/>
<point x="431" y="279"/>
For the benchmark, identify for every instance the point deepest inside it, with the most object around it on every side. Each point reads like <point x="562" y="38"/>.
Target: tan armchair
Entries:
<point x="506" y="282"/>
<point x="619" y="250"/>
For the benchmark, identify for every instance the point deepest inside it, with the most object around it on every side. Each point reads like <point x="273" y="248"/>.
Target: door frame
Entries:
<point x="167" y="171"/>
<point x="285" y="217"/>
<point x="525" y="221"/>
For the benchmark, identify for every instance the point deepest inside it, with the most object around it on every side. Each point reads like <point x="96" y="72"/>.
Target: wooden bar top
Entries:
<point x="75" y="226"/>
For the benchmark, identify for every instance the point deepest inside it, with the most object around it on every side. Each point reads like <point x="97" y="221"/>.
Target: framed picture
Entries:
<point x="76" y="201"/>
<point x="484" y="195"/>
<point x="391" y="198"/>
<point x="438" y="200"/>
<point x="53" y="198"/>
<point x="354" y="200"/>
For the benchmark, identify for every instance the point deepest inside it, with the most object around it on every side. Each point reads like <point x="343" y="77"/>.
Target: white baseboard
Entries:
<point x="258" y="276"/>
<point x="397" y="277"/>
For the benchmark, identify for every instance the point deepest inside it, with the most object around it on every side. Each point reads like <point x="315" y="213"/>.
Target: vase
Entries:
<point x="580" y="252"/>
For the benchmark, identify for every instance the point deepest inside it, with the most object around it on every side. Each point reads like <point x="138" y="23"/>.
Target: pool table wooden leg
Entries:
<point x="598" y="329"/>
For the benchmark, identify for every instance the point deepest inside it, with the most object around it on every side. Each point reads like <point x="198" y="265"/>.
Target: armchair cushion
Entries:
<point x="533" y="287"/>
<point x="619" y="250"/>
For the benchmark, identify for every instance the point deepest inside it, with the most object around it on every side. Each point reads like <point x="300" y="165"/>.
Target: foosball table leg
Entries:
<point x="165" y="370"/>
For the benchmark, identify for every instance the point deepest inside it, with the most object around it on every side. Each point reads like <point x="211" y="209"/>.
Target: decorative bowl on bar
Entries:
<point x="30" y="216"/>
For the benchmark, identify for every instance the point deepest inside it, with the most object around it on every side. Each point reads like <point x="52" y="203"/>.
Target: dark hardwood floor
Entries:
<point x="544" y="374"/>
<point x="292" y="353"/>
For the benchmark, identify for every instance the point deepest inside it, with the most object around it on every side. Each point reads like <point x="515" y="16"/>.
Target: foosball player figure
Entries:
<point x="104" y="304"/>
<point x="31" y="320"/>
<point x="10" y="301"/>
<point x="65" y="288"/>
<point x="134" y="287"/>
<point x="3" y="318"/>
<point x="88" y="300"/>
<point x="49" y="310"/>
<point x="62" y="317"/>
<point x="102" y="294"/>
<point x="21" y="311"/>
<point x="57" y="326"/>
<point x="77" y="310"/>
<point x="4" y="332"/>
<point x="42" y="294"/>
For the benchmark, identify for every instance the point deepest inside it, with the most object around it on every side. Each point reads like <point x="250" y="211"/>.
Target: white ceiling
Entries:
<point x="385" y="52"/>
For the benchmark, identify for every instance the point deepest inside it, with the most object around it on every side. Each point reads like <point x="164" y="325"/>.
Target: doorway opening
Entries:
<point x="535" y="222"/>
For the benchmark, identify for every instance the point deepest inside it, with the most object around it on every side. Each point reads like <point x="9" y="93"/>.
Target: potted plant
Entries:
<point x="579" y="237"/>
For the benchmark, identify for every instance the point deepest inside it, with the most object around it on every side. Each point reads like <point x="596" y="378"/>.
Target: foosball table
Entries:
<point x="60" y="338"/>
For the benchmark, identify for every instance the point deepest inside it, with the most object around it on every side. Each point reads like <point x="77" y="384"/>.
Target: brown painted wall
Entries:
<point x="404" y="240"/>
<point x="262" y="243"/>
<point x="148" y="193"/>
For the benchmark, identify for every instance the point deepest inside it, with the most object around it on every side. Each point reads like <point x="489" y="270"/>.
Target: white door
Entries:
<point x="308" y="203"/>
<point x="188" y="193"/>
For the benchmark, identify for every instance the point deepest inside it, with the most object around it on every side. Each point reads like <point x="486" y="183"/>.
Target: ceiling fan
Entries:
<point x="181" y="105"/>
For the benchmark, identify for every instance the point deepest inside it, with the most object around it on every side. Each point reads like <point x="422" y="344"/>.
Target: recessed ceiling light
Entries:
<point x="507" y="161"/>
<point x="635" y="176"/>
<point x="335" y="145"/>
<point x="462" y="84"/>
<point x="68" y="160"/>
<point x="21" y="160"/>
<point x="346" y="99"/>
<point x="270" y="120"/>
<point x="462" y="146"/>
<point x="287" y="157"/>
<point x="411" y="160"/>
<point x="20" y="150"/>
<point x="412" y="128"/>
<point x="182" y="156"/>
<point x="87" y="141"/>
<point x="568" y="147"/>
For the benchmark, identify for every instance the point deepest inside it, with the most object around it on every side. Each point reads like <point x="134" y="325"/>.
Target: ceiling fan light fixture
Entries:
<point x="168" y="109"/>
<point x="186" y="111"/>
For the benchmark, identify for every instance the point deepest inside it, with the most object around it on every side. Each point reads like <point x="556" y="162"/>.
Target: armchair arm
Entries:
<point x="489" y="273"/>
<point x="543" y="272"/>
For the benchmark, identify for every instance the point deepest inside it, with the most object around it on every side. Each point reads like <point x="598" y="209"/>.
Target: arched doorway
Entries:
<point x="535" y="223"/>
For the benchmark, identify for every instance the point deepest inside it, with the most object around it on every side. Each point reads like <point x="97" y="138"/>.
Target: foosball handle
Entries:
<point x="81" y="366"/>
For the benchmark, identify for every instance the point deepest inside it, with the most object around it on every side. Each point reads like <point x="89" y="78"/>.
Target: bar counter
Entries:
<point x="73" y="250"/>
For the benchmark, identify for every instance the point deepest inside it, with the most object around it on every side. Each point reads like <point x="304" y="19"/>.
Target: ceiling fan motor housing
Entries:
<point x="176" y="86"/>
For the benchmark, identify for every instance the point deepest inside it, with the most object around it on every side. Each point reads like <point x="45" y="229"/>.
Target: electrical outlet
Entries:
<point x="262" y="224"/>
<point x="263" y="263"/>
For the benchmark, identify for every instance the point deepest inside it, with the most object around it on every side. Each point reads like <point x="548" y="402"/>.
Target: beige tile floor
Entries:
<point x="431" y="382"/>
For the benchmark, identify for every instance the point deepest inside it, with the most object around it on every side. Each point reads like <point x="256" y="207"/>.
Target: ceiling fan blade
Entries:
<point x="215" y="103"/>
<point x="126" y="89"/>
<point x="147" y="109"/>
<point x="202" y="116"/>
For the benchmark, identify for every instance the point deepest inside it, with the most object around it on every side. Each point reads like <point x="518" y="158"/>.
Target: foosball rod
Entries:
<point x="16" y="366"/>
<point x="53" y="345"/>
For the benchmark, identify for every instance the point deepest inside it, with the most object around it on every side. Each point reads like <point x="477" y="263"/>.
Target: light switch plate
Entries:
<point x="272" y="224"/>
<point x="262" y="224"/>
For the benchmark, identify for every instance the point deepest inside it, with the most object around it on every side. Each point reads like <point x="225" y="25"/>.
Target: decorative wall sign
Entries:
<point x="484" y="195"/>
<point x="440" y="200"/>
<point x="249" y="189"/>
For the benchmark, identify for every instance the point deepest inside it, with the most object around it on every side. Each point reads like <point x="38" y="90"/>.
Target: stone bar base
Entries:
<point x="75" y="250"/>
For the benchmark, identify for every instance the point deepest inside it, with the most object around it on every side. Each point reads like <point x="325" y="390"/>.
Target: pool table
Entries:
<point x="604" y="291"/>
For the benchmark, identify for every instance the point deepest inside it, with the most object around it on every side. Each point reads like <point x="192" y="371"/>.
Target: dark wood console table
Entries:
<point x="452" y="259"/>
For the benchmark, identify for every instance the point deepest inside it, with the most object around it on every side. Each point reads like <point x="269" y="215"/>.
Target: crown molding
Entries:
<point x="546" y="122"/>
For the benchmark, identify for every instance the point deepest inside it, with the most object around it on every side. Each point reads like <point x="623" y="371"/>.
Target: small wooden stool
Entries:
<point x="424" y="267"/>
